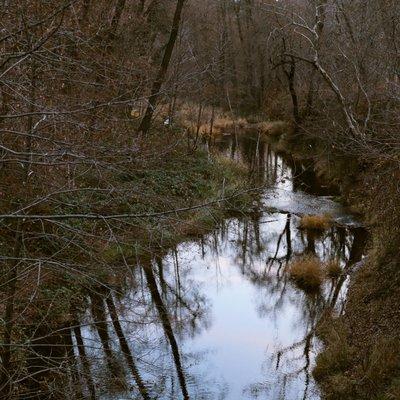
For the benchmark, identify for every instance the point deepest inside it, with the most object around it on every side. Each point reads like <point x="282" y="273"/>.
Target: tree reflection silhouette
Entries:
<point x="166" y="324"/>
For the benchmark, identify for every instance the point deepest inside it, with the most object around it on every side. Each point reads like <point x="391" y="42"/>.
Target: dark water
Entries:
<point x="219" y="318"/>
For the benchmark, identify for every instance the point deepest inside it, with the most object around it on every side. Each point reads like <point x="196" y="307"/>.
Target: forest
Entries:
<point x="200" y="199"/>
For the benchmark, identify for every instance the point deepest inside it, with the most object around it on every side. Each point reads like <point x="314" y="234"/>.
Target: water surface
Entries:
<point x="218" y="317"/>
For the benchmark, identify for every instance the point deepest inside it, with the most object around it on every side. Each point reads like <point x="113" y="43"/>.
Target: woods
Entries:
<point x="110" y="116"/>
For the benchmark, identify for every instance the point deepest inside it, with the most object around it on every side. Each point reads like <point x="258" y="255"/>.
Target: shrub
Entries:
<point x="316" y="222"/>
<point x="307" y="272"/>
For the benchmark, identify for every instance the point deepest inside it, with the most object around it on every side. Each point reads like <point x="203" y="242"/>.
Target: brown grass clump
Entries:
<point x="223" y="122"/>
<point x="227" y="124"/>
<point x="333" y="268"/>
<point x="316" y="222"/>
<point x="222" y="125"/>
<point x="307" y="272"/>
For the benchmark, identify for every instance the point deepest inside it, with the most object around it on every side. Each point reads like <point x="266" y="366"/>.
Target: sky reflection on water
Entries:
<point x="223" y="320"/>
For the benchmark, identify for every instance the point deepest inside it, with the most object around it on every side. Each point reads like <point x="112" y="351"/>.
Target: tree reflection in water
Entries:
<point x="216" y="318"/>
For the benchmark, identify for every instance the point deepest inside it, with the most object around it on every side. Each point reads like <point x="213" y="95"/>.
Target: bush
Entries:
<point x="307" y="272"/>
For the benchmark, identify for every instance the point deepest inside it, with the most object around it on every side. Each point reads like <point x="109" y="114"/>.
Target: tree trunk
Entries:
<point x="9" y="320"/>
<point x="310" y="94"/>
<point x="101" y="326"/>
<point x="84" y="360"/>
<point x="212" y="120"/>
<point x="291" y="79"/>
<point x="158" y="82"/>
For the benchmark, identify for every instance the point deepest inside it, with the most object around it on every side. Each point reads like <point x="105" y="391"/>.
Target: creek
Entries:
<point x="219" y="317"/>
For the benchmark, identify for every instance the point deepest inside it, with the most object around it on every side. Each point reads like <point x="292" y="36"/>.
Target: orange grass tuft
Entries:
<point x="316" y="222"/>
<point x="307" y="272"/>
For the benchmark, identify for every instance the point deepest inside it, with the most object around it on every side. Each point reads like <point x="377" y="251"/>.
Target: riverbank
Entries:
<point x="361" y="357"/>
<point x="180" y="193"/>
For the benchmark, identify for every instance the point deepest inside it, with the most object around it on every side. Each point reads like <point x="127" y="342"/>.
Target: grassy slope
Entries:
<point x="178" y="180"/>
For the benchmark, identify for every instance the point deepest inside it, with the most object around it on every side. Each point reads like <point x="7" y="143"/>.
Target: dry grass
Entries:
<point x="338" y="354"/>
<point x="316" y="222"/>
<point x="337" y="372"/>
<point x="196" y="226"/>
<point x="273" y="128"/>
<point x="333" y="269"/>
<point x="221" y="125"/>
<point x="187" y="115"/>
<point x="383" y="361"/>
<point x="361" y="357"/>
<point x="393" y="392"/>
<point x="307" y="272"/>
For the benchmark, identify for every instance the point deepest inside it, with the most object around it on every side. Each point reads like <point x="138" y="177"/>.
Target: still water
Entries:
<point x="219" y="318"/>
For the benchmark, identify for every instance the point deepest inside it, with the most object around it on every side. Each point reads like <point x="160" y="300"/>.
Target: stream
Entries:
<point x="219" y="318"/>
